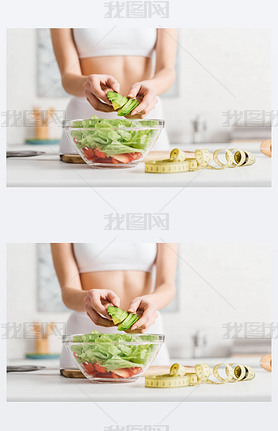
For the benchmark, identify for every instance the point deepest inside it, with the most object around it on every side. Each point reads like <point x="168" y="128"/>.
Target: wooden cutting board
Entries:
<point x="72" y="158"/>
<point x="72" y="373"/>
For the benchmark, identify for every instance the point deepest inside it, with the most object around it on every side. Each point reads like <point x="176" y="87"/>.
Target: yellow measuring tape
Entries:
<point x="179" y="163"/>
<point x="178" y="377"/>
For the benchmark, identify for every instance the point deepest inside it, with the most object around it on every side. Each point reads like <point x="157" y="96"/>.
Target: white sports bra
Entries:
<point x="91" y="257"/>
<point x="99" y="42"/>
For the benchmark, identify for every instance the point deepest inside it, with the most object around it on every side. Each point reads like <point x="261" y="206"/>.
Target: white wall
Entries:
<point x="240" y="273"/>
<point x="239" y="58"/>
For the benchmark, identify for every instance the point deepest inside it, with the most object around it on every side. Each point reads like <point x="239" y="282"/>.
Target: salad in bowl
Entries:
<point x="117" y="358"/>
<point x="113" y="142"/>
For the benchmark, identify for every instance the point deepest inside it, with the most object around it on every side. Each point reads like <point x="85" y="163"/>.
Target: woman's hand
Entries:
<point x="144" y="91"/>
<point x="144" y="306"/>
<point x="96" y="88"/>
<point x="96" y="302"/>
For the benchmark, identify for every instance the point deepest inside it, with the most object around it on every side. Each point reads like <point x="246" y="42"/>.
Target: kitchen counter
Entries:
<point x="48" y="171"/>
<point x="49" y="385"/>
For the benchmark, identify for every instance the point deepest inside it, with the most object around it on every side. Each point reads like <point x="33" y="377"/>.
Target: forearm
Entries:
<point x="162" y="295"/>
<point x="74" y="298"/>
<point x="163" y="80"/>
<point x="74" y="84"/>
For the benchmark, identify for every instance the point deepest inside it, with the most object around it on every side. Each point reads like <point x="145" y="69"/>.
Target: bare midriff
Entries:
<point x="127" y="70"/>
<point x="126" y="284"/>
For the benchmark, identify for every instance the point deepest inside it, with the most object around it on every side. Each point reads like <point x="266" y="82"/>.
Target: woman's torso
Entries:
<point x="125" y="54"/>
<point x="124" y="268"/>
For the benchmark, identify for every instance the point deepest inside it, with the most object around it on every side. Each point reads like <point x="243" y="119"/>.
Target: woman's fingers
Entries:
<point x="112" y="83"/>
<point x="148" y="311"/>
<point x="93" y="299"/>
<point x="96" y="103"/>
<point x="100" y="84"/>
<point x="134" y="90"/>
<point x="94" y="82"/>
<point x="148" y="103"/>
<point x="147" y="318"/>
<point x="113" y="298"/>
<point x="134" y="305"/>
<point x="143" y="328"/>
<point x="100" y="299"/>
<point x="148" y="97"/>
<point x="96" y="318"/>
<point x="140" y="115"/>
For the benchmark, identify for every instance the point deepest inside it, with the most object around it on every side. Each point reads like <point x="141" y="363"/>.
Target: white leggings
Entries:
<point x="80" y="108"/>
<point x="80" y="323"/>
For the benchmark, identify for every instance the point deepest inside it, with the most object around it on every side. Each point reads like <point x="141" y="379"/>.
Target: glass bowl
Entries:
<point x="113" y="358"/>
<point x="113" y="143"/>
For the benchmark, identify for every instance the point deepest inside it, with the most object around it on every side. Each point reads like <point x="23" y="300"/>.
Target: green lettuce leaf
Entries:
<point x="110" y="350"/>
<point x="101" y="134"/>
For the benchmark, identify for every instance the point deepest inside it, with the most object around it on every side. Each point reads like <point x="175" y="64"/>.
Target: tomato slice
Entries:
<point x="89" y="368"/>
<point x="122" y="158"/>
<point x="88" y="153"/>
<point x="127" y="157"/>
<point x="100" y="154"/>
<point x="114" y="375"/>
<point x="123" y="372"/>
<point x="99" y="368"/>
<point x="135" y="156"/>
<point x="135" y="370"/>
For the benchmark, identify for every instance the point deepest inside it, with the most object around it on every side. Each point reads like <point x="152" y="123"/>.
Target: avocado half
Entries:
<point x="122" y="318"/>
<point x="128" y="107"/>
<point x="117" y="314"/>
<point x="116" y="99"/>
<point x="128" y="322"/>
<point x="123" y="104"/>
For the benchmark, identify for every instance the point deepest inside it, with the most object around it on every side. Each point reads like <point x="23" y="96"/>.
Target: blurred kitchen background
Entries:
<point x="222" y="92"/>
<point x="222" y="306"/>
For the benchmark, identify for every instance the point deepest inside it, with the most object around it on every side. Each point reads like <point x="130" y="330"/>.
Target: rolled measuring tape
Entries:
<point x="179" y="163"/>
<point x="179" y="378"/>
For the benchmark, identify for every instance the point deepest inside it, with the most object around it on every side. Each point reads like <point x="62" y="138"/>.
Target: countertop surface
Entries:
<point x="48" y="171"/>
<point x="49" y="385"/>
